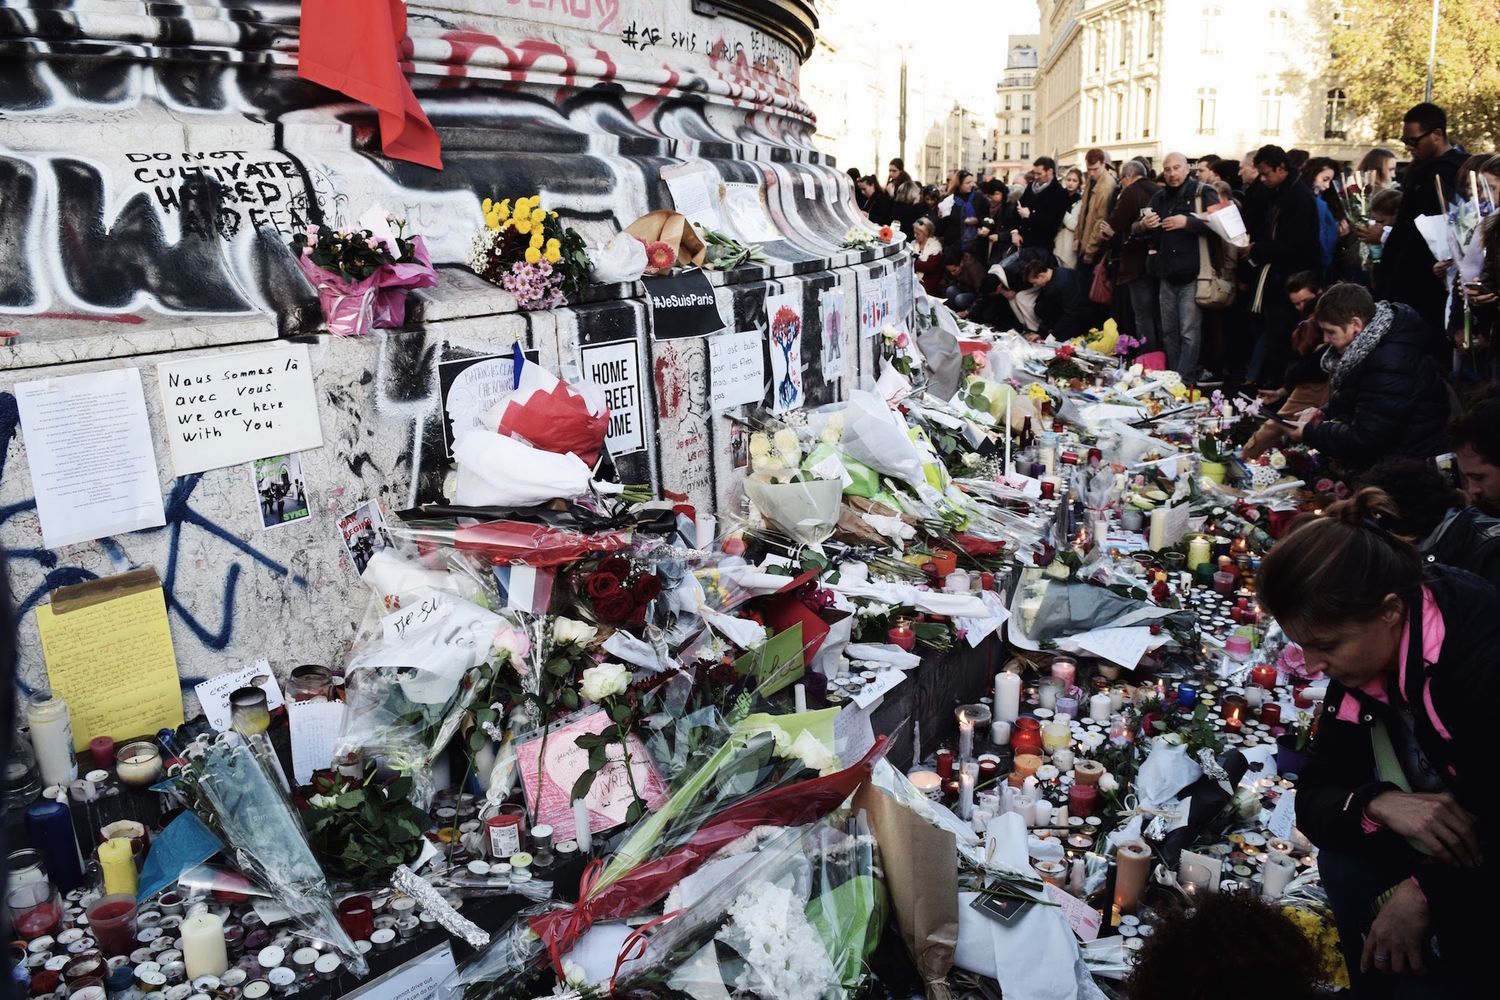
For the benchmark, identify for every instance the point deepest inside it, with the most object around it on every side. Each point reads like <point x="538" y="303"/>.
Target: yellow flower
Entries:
<point x="554" y="245"/>
<point x="536" y="239"/>
<point x="522" y="205"/>
<point x="533" y="255"/>
<point x="484" y="206"/>
<point x="538" y="217"/>
<point x="502" y="210"/>
<point x="553" y="254"/>
<point x="522" y="224"/>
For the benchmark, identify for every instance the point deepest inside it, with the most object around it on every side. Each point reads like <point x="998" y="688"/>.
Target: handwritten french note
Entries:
<point x="737" y="368"/>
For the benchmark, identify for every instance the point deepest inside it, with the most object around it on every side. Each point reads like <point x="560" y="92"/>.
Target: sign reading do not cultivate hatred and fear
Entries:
<point x="228" y="409"/>
<point x="682" y="306"/>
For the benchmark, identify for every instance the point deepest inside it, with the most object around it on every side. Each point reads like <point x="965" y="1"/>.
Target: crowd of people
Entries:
<point x="1060" y="250"/>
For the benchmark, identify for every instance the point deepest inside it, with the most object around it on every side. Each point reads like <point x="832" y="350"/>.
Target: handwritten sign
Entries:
<point x="418" y="979"/>
<point x="1284" y="818"/>
<point x="315" y="727"/>
<point x="430" y="606"/>
<point x="548" y="780"/>
<point x="109" y="656"/>
<point x="213" y="694"/>
<point x="470" y="386"/>
<point x="229" y="409"/>
<point x="682" y="305"/>
<point x="736" y="369"/>
<point x="1082" y="917"/>
<point x="616" y="368"/>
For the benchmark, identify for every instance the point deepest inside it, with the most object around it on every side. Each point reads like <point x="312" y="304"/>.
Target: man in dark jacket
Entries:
<point x="1171" y="230"/>
<point x="1061" y="302"/>
<point x="1134" y="193"/>
<point x="1043" y="205"/>
<point x="1432" y="516"/>
<point x="1284" y="241"/>
<point x="1387" y="396"/>
<point x="1406" y="262"/>
<point x="1474" y="436"/>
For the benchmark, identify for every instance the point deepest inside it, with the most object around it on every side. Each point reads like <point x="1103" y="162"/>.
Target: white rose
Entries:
<point x="813" y="753"/>
<point x="833" y="431"/>
<point x="567" y="632"/>
<point x="760" y="445"/>
<point x="971" y="459"/>
<point x="323" y="801"/>
<point x="1278" y="460"/>
<point x="604" y="681"/>
<point x="574" y="975"/>
<point x="1108" y="783"/>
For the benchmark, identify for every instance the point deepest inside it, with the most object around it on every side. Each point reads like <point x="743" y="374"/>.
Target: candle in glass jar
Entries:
<point x="1056" y="736"/>
<point x="1200" y="551"/>
<point x="138" y="764"/>
<point x="1187" y="695"/>
<point x="999" y="734"/>
<point x="989" y="768"/>
<point x="1099" y="707"/>
<point x="248" y="713"/>
<point x="202" y="939"/>
<point x="51" y="738"/>
<point x="1007" y="696"/>
<point x="901" y="634"/>
<point x="1047" y="692"/>
<point x="1264" y="675"/>
<point x="1082" y="798"/>
<point x="1066" y="671"/>
<point x="1270" y="713"/>
<point x="1024" y="766"/>
<point x="1116" y="699"/>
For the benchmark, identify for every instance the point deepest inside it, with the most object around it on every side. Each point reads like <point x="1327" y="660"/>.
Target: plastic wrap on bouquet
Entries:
<point x="348" y="304"/>
<point x="793" y="913"/>
<point x="494" y="470"/>
<point x="806" y="511"/>
<point x="548" y="413"/>
<point x="500" y="542"/>
<point x="266" y="840"/>
<point x="394" y="281"/>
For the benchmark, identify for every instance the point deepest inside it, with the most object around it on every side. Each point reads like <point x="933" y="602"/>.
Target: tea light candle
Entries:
<point x="1007" y="696"/>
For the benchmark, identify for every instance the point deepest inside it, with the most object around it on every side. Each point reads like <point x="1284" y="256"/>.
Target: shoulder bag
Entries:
<point x="1215" y="289"/>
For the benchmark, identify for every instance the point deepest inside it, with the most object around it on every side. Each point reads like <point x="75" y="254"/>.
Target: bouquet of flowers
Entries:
<point x="724" y="253"/>
<point x="363" y="827"/>
<point x="859" y="238"/>
<point x="526" y="250"/>
<point x="548" y="413"/>
<point x="362" y="277"/>
<point x="801" y="502"/>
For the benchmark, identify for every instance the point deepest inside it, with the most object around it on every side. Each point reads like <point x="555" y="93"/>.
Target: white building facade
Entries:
<point x="1146" y="77"/>
<point x="1016" y="127"/>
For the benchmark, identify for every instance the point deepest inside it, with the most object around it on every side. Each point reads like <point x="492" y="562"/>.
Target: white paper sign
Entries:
<point x="88" y="445"/>
<point x="737" y="369"/>
<point x="1285" y="816"/>
<point x="213" y="694"/>
<point x="834" y="331"/>
<point x="1082" y="917"/>
<point x="315" y="729"/>
<point x="616" y="368"/>
<point x="694" y="189"/>
<point x="417" y="612"/>
<point x="748" y="213"/>
<point x="416" y="980"/>
<point x="234" y="408"/>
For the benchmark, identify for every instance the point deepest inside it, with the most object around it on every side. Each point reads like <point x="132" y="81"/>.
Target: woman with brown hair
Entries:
<point x="1396" y="794"/>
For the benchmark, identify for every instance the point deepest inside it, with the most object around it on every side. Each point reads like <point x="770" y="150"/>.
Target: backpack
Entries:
<point x="1215" y="287"/>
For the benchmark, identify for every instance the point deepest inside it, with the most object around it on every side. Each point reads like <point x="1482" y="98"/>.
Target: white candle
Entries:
<point x="1046" y="696"/>
<point x="999" y="733"/>
<point x="1025" y="807"/>
<point x="799" y="695"/>
<point x="52" y="738"/>
<point x="1063" y="760"/>
<point x="1158" y="536"/>
<point x="965" y="737"/>
<point x="1255" y="696"/>
<point x="1061" y="816"/>
<point x="1041" y="813"/>
<point x="202" y="939"/>
<point x="1099" y="706"/>
<point x="581" y="831"/>
<point x="1007" y="696"/>
<point x="966" y="795"/>
<point x="1116" y="699"/>
<point x="1275" y="876"/>
<point x="707" y="526"/>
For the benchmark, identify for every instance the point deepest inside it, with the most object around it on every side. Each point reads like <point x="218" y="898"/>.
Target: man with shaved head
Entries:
<point x="1171" y="230"/>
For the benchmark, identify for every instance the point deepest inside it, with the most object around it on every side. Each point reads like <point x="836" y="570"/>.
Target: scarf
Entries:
<point x="1338" y="366"/>
<point x="1037" y="187"/>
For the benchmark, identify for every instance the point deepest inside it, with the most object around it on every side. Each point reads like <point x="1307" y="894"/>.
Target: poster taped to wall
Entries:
<point x="784" y="322"/>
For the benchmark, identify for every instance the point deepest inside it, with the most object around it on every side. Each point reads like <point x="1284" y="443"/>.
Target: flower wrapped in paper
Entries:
<point x="548" y="413"/>
<point x="363" y="276"/>
<point x="246" y="805"/>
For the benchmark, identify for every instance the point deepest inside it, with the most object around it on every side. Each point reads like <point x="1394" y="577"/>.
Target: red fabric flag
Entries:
<point x="354" y="47"/>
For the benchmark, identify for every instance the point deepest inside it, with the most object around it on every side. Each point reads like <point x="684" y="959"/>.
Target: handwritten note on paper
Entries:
<point x="315" y="729"/>
<point x="748" y="213"/>
<point x="1082" y="917"/>
<point x="737" y="368"/>
<point x="213" y="694"/>
<point x="88" y="445"/>
<point x="112" y="661"/>
<point x="695" y="193"/>
<point x="418" y="611"/>
<point x="1284" y="818"/>
<point x="229" y="409"/>
<point x="1124" y="646"/>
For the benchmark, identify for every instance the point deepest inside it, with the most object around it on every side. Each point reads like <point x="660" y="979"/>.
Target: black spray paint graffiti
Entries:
<point x="251" y="188"/>
<point x="179" y="515"/>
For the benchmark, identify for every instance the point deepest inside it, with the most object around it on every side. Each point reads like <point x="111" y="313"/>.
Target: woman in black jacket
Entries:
<point x="1387" y="396"/>
<point x="1396" y="794"/>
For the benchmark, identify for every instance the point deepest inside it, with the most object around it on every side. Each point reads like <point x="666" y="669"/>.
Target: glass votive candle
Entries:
<point x="1024" y="766"/>
<point x="1065" y="669"/>
<point x="248" y="712"/>
<point x="1048" y="691"/>
<point x="138" y="764"/>
<point x="989" y="768"/>
<point x="112" y="922"/>
<point x="944" y="758"/>
<point x="1063" y="760"/>
<point x="1056" y="736"/>
<point x="1026" y="736"/>
<point x="308" y="682"/>
<point x="357" y="916"/>
<point x="36" y="909"/>
<point x="1270" y="713"/>
<point x="1235" y="709"/>
<point x="1187" y="695"/>
<point x="926" y="782"/>
<point x="1082" y="799"/>
<point x="1263" y="675"/>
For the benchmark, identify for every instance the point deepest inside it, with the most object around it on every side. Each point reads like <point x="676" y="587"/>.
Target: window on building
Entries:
<point x="1025" y="150"/>
<point x="1025" y="102"/>
<point x="1270" y="111"/>
<point x="1211" y="19"/>
<point x="1335" y="111"/>
<point x="1007" y="150"/>
<point x="1093" y="119"/>
<point x="1208" y="109"/>
<point x="1025" y="126"/>
<point x="1007" y="126"/>
<point x="1150" y="34"/>
<point x="1146" y="96"/>
<point x="1119" y="115"/>
<point x="1007" y="102"/>
<point x="1279" y="20"/>
<point x="1120" y="43"/>
<point x="1098" y="35"/>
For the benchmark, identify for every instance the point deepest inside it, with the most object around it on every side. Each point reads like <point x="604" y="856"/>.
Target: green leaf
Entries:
<point x="636" y="811"/>
<point x="619" y="710"/>
<point x="598" y="757"/>
<point x="559" y="667"/>
<point x="583" y="784"/>
<point x="569" y="699"/>
<point x="350" y="800"/>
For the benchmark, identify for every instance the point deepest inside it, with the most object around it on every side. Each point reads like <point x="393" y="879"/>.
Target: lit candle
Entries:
<point x="965" y="737"/>
<point x="1057" y="736"/>
<point x="117" y="863"/>
<point x="1066" y="671"/>
<point x="1007" y="696"/>
<point x="1024" y="766"/>
<point x="138" y="764"/>
<point x="1099" y="707"/>
<point x="926" y="782"/>
<point x="901" y="634"/>
<point x="201" y="937"/>
<point x="1200" y="551"/>
<point x="1263" y="675"/>
<point x="581" y="831"/>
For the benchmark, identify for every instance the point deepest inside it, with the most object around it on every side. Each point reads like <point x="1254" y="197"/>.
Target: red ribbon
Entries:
<point x="636" y="940"/>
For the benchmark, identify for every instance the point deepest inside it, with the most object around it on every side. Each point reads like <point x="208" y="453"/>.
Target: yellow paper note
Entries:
<point x="109" y="655"/>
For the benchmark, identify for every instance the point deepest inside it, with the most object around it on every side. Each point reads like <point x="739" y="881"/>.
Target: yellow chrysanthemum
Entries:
<point x="533" y="255"/>
<point x="484" y="206"/>
<point x="522" y="224"/>
<point x="523" y="204"/>
<point x="536" y="239"/>
<point x="538" y="217"/>
<point x="502" y="210"/>
<point x="554" y="245"/>
<point x="553" y="254"/>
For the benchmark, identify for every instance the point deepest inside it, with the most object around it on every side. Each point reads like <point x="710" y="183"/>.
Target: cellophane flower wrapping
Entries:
<point x="348" y="304"/>
<point x="495" y="470"/>
<point x="394" y="281"/>
<point x="266" y="840"/>
<point x="413" y="674"/>
<point x="548" y="413"/>
<point x="502" y="541"/>
<point x="807" y="511"/>
<point x="757" y="776"/>
<point x="783" y="912"/>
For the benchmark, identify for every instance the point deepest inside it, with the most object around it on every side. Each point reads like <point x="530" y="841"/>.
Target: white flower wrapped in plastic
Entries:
<point x="604" y="681"/>
<point x="807" y="511"/>
<point x="499" y="471"/>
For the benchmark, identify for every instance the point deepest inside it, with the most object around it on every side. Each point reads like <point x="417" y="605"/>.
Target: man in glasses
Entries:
<point x="1406" y="263"/>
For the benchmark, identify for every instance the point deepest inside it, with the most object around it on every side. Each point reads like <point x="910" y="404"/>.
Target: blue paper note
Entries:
<point x="184" y="844"/>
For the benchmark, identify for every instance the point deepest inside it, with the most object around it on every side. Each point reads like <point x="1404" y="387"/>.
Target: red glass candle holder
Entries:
<point x="1026" y="736"/>
<point x="1263" y="675"/>
<point x="1270" y="713"/>
<point x="357" y="917"/>
<point x="1082" y="799"/>
<point x="945" y="763"/>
